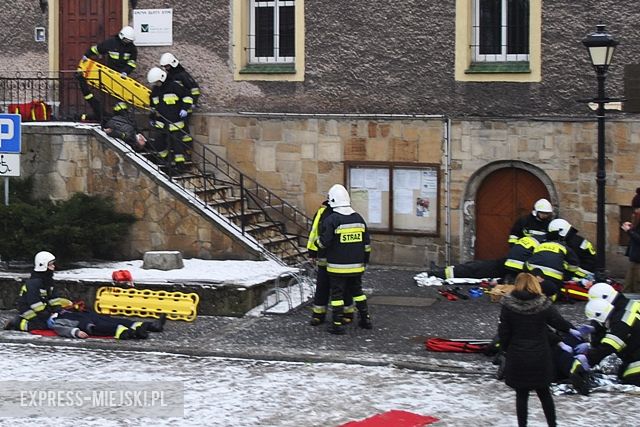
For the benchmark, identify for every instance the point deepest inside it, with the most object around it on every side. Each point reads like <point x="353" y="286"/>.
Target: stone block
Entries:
<point x="162" y="260"/>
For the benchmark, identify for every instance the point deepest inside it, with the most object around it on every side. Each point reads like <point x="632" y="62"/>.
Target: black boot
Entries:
<point x="317" y="318"/>
<point x="141" y="330"/>
<point x="336" y="327"/>
<point x="364" y="320"/>
<point x="157" y="325"/>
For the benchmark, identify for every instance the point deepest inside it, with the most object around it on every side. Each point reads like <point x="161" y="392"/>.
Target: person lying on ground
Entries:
<point x="81" y="324"/>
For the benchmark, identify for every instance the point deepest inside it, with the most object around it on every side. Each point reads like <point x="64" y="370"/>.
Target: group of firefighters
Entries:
<point x="174" y="94"/>
<point x="550" y="249"/>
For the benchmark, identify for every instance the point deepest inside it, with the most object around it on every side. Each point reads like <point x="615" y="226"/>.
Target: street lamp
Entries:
<point x="601" y="46"/>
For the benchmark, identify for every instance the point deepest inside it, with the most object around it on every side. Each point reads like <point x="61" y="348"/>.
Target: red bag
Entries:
<point x="34" y="111"/>
<point x="122" y="276"/>
<point x="456" y="346"/>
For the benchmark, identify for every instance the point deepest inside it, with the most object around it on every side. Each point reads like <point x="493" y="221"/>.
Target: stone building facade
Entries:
<point x="365" y="62"/>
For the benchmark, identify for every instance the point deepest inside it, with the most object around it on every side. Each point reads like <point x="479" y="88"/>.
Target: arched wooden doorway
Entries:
<point x="503" y="196"/>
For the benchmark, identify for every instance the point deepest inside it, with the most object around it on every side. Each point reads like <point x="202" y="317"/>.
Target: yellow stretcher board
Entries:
<point x="146" y="303"/>
<point x="110" y="81"/>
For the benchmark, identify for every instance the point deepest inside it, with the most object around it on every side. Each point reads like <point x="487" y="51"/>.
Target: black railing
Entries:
<point x="64" y="101"/>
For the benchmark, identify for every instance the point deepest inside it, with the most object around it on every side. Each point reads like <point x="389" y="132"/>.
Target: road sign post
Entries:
<point x="10" y="146"/>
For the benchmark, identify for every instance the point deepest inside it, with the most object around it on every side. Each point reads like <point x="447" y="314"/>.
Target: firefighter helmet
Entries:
<point x="339" y="196"/>
<point x="542" y="206"/>
<point x="42" y="260"/>
<point x="169" y="59"/>
<point x="598" y="310"/>
<point x="156" y="75"/>
<point x="559" y="226"/>
<point x="127" y="33"/>
<point x="602" y="291"/>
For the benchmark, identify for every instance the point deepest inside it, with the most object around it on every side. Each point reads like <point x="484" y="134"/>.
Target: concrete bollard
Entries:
<point x="162" y="260"/>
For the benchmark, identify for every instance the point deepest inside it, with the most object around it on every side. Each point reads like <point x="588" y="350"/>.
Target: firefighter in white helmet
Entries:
<point x="38" y="298"/>
<point x="169" y="102"/>
<point x="345" y="237"/>
<point x="616" y="322"/>
<point x="534" y="224"/>
<point x="118" y="53"/>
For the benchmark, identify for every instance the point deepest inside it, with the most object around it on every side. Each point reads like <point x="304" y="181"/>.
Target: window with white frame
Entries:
<point x="272" y="32"/>
<point x="500" y="30"/>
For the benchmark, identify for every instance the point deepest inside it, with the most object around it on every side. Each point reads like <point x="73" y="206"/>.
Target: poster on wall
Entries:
<point x="153" y="27"/>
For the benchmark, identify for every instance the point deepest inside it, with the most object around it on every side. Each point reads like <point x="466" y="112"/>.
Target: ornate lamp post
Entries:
<point x="601" y="46"/>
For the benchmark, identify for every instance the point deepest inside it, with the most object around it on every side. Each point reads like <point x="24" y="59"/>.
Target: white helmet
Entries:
<point x="598" y="310"/>
<point x="339" y="196"/>
<point x="603" y="291"/>
<point x="156" y="75"/>
<point x="169" y="59"/>
<point x="127" y="33"/>
<point x="42" y="260"/>
<point x="542" y="205"/>
<point x="560" y="226"/>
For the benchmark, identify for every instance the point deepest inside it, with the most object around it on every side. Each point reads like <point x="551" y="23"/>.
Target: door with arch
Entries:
<point x="81" y="24"/>
<point x="503" y="196"/>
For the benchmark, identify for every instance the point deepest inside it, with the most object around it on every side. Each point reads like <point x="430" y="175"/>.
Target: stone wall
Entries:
<point x="66" y="160"/>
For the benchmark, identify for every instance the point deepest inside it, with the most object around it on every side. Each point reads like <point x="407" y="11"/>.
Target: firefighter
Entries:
<point x="617" y="317"/>
<point x="554" y="261"/>
<point x="169" y="103"/>
<point x="322" y="291"/>
<point x="517" y="257"/>
<point x="38" y="298"/>
<point x="535" y="224"/>
<point x="583" y="248"/>
<point x="345" y="237"/>
<point x="81" y="324"/>
<point x="120" y="54"/>
<point x="176" y="72"/>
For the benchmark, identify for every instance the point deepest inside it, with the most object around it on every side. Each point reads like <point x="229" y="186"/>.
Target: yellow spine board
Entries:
<point x="146" y="303"/>
<point x="110" y="81"/>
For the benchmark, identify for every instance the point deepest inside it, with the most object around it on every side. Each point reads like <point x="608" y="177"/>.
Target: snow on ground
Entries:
<point x="248" y="393"/>
<point x="195" y="270"/>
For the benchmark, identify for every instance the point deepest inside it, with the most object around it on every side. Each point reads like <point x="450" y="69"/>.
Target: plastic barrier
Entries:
<point x="146" y="303"/>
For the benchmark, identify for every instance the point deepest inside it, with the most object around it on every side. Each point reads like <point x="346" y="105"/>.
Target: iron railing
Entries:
<point x="62" y="95"/>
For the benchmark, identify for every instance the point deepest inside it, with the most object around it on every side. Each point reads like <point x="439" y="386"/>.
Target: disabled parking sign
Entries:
<point x="10" y="133"/>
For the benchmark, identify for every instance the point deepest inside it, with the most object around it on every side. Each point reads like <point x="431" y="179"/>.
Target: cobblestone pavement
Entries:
<point x="403" y="315"/>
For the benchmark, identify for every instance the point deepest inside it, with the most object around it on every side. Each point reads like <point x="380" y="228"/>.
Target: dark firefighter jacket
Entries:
<point x="622" y="335"/>
<point x="554" y="259"/>
<point x="347" y="243"/>
<point x="314" y="251"/>
<point x="528" y="225"/>
<point x="520" y="252"/>
<point x="38" y="298"/>
<point x="166" y="102"/>
<point x="119" y="56"/>
<point x="585" y="252"/>
<point x="182" y="76"/>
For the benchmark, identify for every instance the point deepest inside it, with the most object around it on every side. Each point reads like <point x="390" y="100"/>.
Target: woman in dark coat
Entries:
<point x="523" y="334"/>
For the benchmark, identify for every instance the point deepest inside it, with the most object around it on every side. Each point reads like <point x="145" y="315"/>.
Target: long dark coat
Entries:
<point x="523" y="334"/>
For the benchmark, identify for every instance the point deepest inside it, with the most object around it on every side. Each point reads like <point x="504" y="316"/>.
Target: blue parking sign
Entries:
<point x="10" y="133"/>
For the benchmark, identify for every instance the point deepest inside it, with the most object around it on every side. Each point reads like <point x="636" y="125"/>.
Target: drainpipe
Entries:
<point x="447" y="191"/>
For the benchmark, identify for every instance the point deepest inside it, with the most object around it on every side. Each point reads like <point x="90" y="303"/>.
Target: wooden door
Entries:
<point x="82" y="23"/>
<point x="504" y="196"/>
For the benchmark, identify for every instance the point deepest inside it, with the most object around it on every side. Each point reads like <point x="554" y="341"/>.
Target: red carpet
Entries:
<point x="393" y="419"/>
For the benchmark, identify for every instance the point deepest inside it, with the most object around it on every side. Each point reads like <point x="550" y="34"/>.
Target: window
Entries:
<point x="498" y="41"/>
<point x="501" y="30"/>
<point x="272" y="33"/>
<point x="268" y="39"/>
<point x="395" y="198"/>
